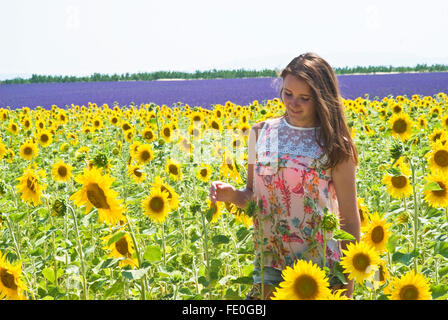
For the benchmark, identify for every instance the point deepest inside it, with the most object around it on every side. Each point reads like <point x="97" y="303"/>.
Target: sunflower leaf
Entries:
<point x="115" y="237"/>
<point x="441" y="248"/>
<point x="432" y="186"/>
<point x="343" y="235"/>
<point x="134" y="274"/>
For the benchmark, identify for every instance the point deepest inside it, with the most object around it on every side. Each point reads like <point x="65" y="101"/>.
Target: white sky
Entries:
<point x="80" y="37"/>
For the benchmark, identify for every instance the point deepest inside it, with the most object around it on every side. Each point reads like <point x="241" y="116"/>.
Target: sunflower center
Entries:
<point x="215" y="125"/>
<point x="399" y="181"/>
<point x="137" y="173"/>
<point x="145" y="155"/>
<point x="440" y="193"/>
<point x="44" y="138"/>
<point x="306" y="287"/>
<point x="28" y="151"/>
<point x="31" y="184"/>
<point x="164" y="189"/>
<point x="400" y="126"/>
<point x="409" y="292"/>
<point x="361" y="261"/>
<point x="203" y="172"/>
<point x="14" y="127"/>
<point x="156" y="204"/>
<point x="62" y="171"/>
<point x="173" y="169"/>
<point x="7" y="279"/>
<point x="122" y="246"/>
<point x="148" y="135"/>
<point x="377" y="234"/>
<point x="166" y="132"/>
<point x="126" y="127"/>
<point x="441" y="158"/>
<point x="96" y="196"/>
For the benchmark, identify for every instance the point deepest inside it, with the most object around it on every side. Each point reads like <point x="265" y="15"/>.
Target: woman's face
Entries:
<point x="299" y="103"/>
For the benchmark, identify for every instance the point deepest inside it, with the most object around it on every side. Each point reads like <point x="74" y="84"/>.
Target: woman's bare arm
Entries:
<point x="221" y="191"/>
<point x="344" y="179"/>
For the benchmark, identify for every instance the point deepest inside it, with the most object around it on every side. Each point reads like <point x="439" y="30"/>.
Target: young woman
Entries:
<point x="300" y="165"/>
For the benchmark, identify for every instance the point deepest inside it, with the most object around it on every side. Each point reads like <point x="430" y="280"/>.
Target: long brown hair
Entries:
<point x="335" y="138"/>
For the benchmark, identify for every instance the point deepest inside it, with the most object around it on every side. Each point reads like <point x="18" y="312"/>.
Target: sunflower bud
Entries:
<point x="330" y="222"/>
<point x="396" y="151"/>
<point x="100" y="160"/>
<point x="2" y="187"/>
<point x="59" y="208"/>
<point x="187" y="259"/>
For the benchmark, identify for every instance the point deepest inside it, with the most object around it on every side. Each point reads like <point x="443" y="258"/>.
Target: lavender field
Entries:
<point x="205" y="93"/>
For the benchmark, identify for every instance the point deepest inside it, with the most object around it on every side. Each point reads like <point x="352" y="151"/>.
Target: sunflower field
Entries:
<point x="111" y="202"/>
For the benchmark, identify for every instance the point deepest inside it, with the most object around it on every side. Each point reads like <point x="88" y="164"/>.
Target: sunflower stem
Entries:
<point x="205" y="242"/>
<point x="81" y="255"/>
<point x="164" y="244"/>
<point x="414" y="191"/>
<point x="143" y="283"/>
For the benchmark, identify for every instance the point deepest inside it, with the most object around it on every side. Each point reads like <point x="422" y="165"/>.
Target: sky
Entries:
<point x="81" y="37"/>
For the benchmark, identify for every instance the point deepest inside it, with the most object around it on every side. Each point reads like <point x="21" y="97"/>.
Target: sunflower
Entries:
<point x="3" y="150"/>
<point x="196" y="117"/>
<point x="204" y="172"/>
<point x="61" y="171"/>
<point x="133" y="148"/>
<point x="401" y="126"/>
<point x="436" y="191"/>
<point x="11" y="284"/>
<point x="215" y="124"/>
<point x="122" y="249"/>
<point x="125" y="126"/>
<point x="26" y="122"/>
<point x="156" y="205"/>
<point x="148" y="134"/>
<point x="44" y="137"/>
<point x="173" y="169"/>
<point x="228" y="169"/>
<point x="13" y="127"/>
<point x="411" y="286"/>
<point x="444" y="121"/>
<point x="305" y="281"/>
<point x="185" y="145"/>
<point x="377" y="233"/>
<point x="30" y="185"/>
<point x="438" y="158"/>
<point x="96" y="192"/>
<point x="216" y="208"/>
<point x="173" y="197"/>
<point x="437" y="135"/>
<point x="363" y="212"/>
<point x="397" y="186"/>
<point x="29" y="150"/>
<point x="359" y="261"/>
<point x="166" y="132"/>
<point x="144" y="154"/>
<point x="136" y="173"/>
<point x="381" y="275"/>
<point x="338" y="295"/>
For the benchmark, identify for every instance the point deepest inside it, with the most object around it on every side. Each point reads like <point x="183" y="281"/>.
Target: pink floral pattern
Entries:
<point x="293" y="194"/>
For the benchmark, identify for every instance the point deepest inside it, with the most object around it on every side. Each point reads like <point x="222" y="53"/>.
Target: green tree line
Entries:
<point x="215" y="74"/>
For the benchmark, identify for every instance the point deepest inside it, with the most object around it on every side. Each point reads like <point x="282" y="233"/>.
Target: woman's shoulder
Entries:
<point x="261" y="124"/>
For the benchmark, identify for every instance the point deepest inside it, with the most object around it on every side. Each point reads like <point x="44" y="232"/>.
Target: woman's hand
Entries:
<point x="221" y="191"/>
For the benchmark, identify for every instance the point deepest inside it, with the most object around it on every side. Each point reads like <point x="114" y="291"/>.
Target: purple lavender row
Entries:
<point x="206" y="93"/>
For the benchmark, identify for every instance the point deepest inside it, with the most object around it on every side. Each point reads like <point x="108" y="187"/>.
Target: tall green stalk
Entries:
<point x="81" y="255"/>
<point x="414" y="191"/>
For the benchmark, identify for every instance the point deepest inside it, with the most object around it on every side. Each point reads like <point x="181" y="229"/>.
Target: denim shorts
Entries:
<point x="272" y="276"/>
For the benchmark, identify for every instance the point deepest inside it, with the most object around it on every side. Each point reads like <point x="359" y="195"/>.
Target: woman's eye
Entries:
<point x="288" y="94"/>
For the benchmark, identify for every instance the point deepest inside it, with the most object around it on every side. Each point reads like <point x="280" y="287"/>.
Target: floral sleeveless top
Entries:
<point x="292" y="190"/>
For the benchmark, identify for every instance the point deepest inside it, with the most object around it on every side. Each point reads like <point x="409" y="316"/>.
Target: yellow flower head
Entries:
<point x="401" y="126"/>
<point x="360" y="261"/>
<point x="173" y="197"/>
<point x="122" y="249"/>
<point x="11" y="284"/>
<point x="438" y="158"/>
<point x="305" y="281"/>
<point x="156" y="205"/>
<point x="30" y="185"/>
<point x="29" y="150"/>
<point x="377" y="232"/>
<point x="411" y="286"/>
<point x="96" y="192"/>
<point x="397" y="186"/>
<point x="436" y="191"/>
<point x="61" y="171"/>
